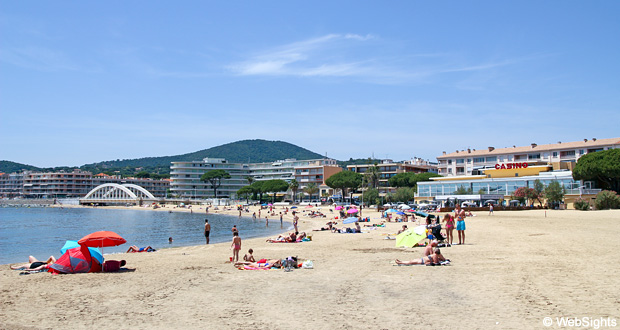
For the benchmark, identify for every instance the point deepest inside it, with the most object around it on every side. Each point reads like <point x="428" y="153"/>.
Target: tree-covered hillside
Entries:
<point x="253" y="151"/>
<point x="10" y="167"/>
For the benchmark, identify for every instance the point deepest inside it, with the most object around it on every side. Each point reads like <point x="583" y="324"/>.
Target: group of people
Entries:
<point x="288" y="238"/>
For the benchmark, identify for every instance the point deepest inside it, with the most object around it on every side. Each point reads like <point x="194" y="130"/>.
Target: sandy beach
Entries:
<point x="516" y="269"/>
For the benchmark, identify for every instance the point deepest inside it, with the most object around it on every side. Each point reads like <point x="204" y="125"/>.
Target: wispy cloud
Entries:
<point x="37" y="58"/>
<point x="322" y="56"/>
<point x="363" y="57"/>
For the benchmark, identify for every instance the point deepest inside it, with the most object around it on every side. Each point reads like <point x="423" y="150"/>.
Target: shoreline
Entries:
<point x="516" y="269"/>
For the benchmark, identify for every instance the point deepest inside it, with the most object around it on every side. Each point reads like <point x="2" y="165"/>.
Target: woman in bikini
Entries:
<point x="449" y="220"/>
<point x="236" y="246"/>
<point x="431" y="259"/>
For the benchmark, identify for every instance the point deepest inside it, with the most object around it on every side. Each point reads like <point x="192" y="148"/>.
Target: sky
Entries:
<point x="84" y="82"/>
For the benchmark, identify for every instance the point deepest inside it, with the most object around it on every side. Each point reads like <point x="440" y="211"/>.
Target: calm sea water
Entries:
<point x="41" y="232"/>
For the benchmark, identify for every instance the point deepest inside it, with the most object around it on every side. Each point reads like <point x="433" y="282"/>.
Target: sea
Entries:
<point x="42" y="231"/>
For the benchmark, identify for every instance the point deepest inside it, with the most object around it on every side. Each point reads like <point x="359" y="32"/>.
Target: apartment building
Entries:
<point x="186" y="182"/>
<point x="558" y="155"/>
<point x="57" y="184"/>
<point x="11" y="185"/>
<point x="388" y="168"/>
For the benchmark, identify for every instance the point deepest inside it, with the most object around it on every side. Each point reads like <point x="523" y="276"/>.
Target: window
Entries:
<point x="491" y="159"/>
<point x="555" y="154"/>
<point x="460" y="170"/>
<point x="468" y="160"/>
<point x="460" y="161"/>
<point x="581" y="152"/>
<point x="479" y="160"/>
<point x="533" y="156"/>
<point x="449" y="161"/>
<point x="567" y="153"/>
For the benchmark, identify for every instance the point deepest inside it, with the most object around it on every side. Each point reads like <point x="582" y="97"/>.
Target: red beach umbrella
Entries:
<point x="102" y="239"/>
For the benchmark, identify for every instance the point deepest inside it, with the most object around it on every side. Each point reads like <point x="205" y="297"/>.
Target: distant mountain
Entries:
<point x="246" y="151"/>
<point x="10" y="167"/>
<point x="254" y="151"/>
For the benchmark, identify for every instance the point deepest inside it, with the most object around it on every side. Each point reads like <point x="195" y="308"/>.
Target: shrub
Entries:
<point x="607" y="199"/>
<point x="582" y="204"/>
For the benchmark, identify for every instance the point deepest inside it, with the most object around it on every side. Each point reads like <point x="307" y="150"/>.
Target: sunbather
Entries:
<point x="432" y="259"/>
<point x="266" y="264"/>
<point x="133" y="249"/>
<point x="34" y="264"/>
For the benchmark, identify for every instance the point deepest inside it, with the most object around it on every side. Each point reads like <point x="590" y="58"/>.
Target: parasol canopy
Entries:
<point x="102" y="239"/>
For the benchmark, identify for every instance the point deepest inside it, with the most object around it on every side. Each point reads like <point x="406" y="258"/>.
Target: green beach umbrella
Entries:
<point x="411" y="236"/>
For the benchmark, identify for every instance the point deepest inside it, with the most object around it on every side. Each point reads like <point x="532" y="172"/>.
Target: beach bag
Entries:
<point x="308" y="264"/>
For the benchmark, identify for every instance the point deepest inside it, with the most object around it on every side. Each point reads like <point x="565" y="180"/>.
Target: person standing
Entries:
<point x="266" y="221"/>
<point x="460" y="224"/>
<point x="491" y="209"/>
<point x="234" y="230"/>
<point x="295" y="220"/>
<point x="281" y="222"/>
<point x="236" y="246"/>
<point x="207" y="230"/>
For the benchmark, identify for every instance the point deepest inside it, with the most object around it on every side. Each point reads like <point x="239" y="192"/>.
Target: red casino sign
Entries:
<point x="510" y="166"/>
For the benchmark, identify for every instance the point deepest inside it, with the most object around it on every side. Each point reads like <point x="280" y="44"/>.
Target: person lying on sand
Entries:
<point x="432" y="259"/>
<point x="263" y="263"/>
<point x="34" y="264"/>
<point x="133" y="249"/>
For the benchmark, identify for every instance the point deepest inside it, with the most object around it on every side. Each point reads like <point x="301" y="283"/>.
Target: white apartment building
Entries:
<point x="186" y="182"/>
<point x="559" y="155"/>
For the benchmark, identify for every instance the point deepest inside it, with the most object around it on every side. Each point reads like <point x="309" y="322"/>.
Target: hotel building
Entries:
<point x="493" y="174"/>
<point x="57" y="184"/>
<point x="73" y="184"/>
<point x="388" y="168"/>
<point x="11" y="185"/>
<point x="186" y="182"/>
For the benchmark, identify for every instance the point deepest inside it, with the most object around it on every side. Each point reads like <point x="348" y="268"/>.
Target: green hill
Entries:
<point x="10" y="167"/>
<point x="254" y="151"/>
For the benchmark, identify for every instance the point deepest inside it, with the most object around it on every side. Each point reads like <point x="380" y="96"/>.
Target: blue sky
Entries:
<point x="83" y="82"/>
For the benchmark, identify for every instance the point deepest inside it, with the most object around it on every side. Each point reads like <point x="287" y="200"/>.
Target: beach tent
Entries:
<point x="76" y="260"/>
<point x="94" y="252"/>
<point x="411" y="236"/>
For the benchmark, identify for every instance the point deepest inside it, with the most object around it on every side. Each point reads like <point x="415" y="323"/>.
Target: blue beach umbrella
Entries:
<point x="400" y="213"/>
<point x="94" y="252"/>
<point x="294" y="207"/>
<point x="350" y="220"/>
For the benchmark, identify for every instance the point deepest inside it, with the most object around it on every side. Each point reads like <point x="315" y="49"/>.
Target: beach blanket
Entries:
<point x="246" y="267"/>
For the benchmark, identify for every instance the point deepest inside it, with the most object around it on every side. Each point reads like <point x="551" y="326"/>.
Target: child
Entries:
<point x="249" y="257"/>
<point x="236" y="246"/>
<point x="449" y="220"/>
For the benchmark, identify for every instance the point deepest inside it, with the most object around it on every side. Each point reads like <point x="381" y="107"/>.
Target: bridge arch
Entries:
<point x="117" y="193"/>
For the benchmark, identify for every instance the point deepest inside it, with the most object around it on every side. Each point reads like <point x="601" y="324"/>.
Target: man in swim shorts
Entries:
<point x="207" y="230"/>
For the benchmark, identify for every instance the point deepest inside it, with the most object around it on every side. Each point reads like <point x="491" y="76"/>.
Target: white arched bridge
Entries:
<point x="118" y="193"/>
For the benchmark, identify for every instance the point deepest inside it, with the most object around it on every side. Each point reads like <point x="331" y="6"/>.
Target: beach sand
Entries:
<point x="516" y="269"/>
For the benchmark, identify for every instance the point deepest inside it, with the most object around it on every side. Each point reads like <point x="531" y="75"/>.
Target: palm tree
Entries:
<point x="373" y="175"/>
<point x="311" y="189"/>
<point x="250" y="180"/>
<point x="294" y="185"/>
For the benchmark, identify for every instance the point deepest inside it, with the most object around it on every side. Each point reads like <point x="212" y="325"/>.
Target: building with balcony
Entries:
<point x="186" y="175"/>
<point x="388" y="168"/>
<point x="558" y="155"/>
<point x="57" y="184"/>
<point x="495" y="174"/>
<point x="11" y="185"/>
